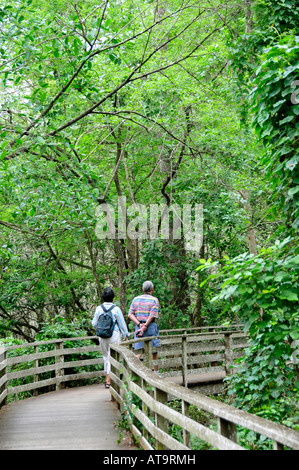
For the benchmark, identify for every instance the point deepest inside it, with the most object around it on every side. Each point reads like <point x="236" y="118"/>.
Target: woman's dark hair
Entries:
<point x="107" y="295"/>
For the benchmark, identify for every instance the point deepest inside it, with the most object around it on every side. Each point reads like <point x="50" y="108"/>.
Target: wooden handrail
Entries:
<point x="59" y="353"/>
<point x="181" y="354"/>
<point x="129" y="374"/>
<point x="58" y="368"/>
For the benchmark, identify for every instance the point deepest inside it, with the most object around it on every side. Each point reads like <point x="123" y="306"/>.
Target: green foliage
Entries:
<point x="266" y="22"/>
<point x="263" y="290"/>
<point x="267" y="281"/>
<point x="276" y="111"/>
<point x="266" y="62"/>
<point x="153" y="85"/>
<point x="276" y="17"/>
<point x="59" y="327"/>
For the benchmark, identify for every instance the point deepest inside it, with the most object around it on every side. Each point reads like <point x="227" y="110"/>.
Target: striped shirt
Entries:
<point x="145" y="306"/>
<point x="118" y="318"/>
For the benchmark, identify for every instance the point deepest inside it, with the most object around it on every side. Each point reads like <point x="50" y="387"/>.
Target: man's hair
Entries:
<point x="147" y="286"/>
<point x="107" y="295"/>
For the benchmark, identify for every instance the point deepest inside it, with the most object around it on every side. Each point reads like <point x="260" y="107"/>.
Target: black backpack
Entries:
<point x="105" y="325"/>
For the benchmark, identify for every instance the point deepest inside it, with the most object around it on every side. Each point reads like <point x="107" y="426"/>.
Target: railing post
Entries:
<point x="277" y="446"/>
<point x="186" y="434"/>
<point x="36" y="364"/>
<point x="59" y="371"/>
<point x="115" y="355"/>
<point x="161" y="422"/>
<point x="228" y="353"/>
<point x="144" y="409"/>
<point x="3" y="373"/>
<point x="227" y="429"/>
<point x="147" y="345"/>
<point x="184" y="361"/>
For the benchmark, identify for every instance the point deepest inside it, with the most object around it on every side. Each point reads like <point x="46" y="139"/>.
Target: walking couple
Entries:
<point x="144" y="312"/>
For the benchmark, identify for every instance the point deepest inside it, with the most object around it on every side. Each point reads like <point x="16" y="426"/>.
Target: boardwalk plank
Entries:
<point x="81" y="418"/>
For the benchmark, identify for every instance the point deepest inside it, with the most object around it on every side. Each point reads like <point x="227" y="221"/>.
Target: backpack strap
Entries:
<point x="107" y="310"/>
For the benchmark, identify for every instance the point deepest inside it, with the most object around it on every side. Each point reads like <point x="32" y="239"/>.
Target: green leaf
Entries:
<point x="292" y="163"/>
<point x="293" y="191"/>
<point x="285" y="120"/>
<point x="281" y="276"/>
<point x="288" y="295"/>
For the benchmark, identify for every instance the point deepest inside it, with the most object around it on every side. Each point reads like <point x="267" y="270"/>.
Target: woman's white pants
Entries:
<point x="105" y="348"/>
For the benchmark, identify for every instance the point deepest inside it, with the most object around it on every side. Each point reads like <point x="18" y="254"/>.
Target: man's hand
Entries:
<point x="141" y="330"/>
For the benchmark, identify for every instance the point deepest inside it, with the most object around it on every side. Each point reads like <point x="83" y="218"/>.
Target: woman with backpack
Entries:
<point x="109" y="323"/>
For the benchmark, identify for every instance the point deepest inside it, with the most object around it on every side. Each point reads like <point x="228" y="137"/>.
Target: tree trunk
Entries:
<point x="248" y="13"/>
<point x="251" y="232"/>
<point x="93" y="263"/>
<point x="197" y="314"/>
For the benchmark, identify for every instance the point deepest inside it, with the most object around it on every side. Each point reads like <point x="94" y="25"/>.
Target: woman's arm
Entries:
<point x="121" y="323"/>
<point x="95" y="318"/>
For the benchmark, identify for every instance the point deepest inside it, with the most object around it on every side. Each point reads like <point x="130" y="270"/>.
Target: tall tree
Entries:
<point x="130" y="99"/>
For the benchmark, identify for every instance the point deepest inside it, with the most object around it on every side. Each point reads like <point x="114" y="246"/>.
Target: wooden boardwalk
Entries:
<point x="84" y="418"/>
<point x="81" y="418"/>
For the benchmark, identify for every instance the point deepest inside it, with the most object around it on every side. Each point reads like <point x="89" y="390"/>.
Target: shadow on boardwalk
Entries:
<point x="81" y="418"/>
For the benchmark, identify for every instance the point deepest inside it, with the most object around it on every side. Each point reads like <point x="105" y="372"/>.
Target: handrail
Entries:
<point x="130" y="376"/>
<point x="59" y="367"/>
<point x="207" y="328"/>
<point x="60" y="370"/>
<point x="201" y="352"/>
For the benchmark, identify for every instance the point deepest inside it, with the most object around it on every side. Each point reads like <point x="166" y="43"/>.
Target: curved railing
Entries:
<point x="47" y="365"/>
<point x="146" y="399"/>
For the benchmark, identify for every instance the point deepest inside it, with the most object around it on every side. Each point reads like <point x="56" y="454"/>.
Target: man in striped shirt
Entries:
<point x="144" y="312"/>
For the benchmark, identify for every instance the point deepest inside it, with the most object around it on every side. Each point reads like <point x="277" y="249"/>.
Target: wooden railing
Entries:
<point x="47" y="365"/>
<point x="197" y="353"/>
<point x="28" y="364"/>
<point x="146" y="398"/>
